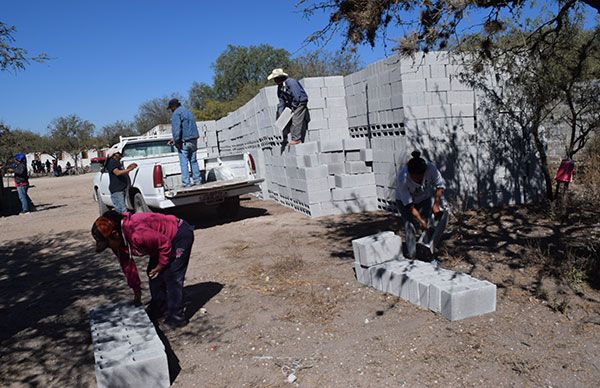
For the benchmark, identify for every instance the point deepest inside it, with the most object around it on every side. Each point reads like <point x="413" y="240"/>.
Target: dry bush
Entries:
<point x="591" y="170"/>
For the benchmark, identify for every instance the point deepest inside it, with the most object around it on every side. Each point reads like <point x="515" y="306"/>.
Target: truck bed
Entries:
<point x="180" y="191"/>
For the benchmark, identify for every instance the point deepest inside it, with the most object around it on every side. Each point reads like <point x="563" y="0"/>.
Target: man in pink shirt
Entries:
<point x="167" y="240"/>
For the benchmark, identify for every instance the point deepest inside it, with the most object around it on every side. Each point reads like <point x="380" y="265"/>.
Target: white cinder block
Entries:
<point x="357" y="168"/>
<point x="366" y="155"/>
<point x="305" y="148"/>
<point x="377" y="248"/>
<point x="463" y="110"/>
<point x="468" y="301"/>
<point x="336" y="168"/>
<point x="438" y="84"/>
<point x="355" y="144"/>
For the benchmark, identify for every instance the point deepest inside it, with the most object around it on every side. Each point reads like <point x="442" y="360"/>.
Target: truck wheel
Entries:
<point x="102" y="208"/>
<point x="230" y="207"/>
<point x="139" y="204"/>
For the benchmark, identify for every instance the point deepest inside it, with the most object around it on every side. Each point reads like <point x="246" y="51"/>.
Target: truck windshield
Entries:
<point x="147" y="148"/>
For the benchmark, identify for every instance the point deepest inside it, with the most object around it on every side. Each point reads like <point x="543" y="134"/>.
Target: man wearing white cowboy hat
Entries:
<point x="291" y="95"/>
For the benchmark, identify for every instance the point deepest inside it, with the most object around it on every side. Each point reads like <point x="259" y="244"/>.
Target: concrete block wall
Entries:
<point x="406" y="104"/>
<point x="127" y="349"/>
<point x="379" y="264"/>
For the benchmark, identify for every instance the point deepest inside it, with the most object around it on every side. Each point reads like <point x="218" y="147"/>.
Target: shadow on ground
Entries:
<point x="203" y="218"/>
<point x="48" y="285"/>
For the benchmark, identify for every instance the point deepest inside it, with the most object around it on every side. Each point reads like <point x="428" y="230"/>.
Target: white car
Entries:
<point x="156" y="182"/>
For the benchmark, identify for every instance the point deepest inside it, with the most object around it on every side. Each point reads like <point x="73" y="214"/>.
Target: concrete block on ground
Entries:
<point x="377" y="248"/>
<point x="363" y="274"/>
<point x="127" y="349"/>
<point x="436" y="287"/>
<point x="468" y="301"/>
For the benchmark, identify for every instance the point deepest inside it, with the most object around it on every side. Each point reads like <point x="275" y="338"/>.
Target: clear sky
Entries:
<point x="110" y="56"/>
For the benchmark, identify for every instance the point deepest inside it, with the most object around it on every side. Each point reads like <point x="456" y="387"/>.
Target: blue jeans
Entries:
<point x="187" y="156"/>
<point x="24" y="198"/>
<point x="118" y="200"/>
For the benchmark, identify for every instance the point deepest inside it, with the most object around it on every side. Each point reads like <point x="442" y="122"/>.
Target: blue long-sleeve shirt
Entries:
<point x="183" y="125"/>
<point x="291" y="94"/>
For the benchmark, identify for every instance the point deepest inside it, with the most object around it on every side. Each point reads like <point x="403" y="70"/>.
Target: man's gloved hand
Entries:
<point x="137" y="298"/>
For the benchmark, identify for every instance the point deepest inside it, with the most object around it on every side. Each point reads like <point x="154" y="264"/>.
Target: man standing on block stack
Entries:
<point x="291" y="95"/>
<point x="419" y="190"/>
<point x="185" y="139"/>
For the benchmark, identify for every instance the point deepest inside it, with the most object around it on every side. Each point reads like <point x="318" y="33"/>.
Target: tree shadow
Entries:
<point x="47" y="284"/>
<point x="202" y="217"/>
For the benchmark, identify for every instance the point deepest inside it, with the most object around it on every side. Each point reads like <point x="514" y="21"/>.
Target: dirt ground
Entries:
<point x="273" y="292"/>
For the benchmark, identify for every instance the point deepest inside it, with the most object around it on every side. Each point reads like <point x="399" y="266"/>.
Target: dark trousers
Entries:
<point x="298" y="125"/>
<point x="411" y="225"/>
<point x="167" y="288"/>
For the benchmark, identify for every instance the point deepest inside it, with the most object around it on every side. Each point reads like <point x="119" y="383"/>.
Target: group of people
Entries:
<point x="168" y="240"/>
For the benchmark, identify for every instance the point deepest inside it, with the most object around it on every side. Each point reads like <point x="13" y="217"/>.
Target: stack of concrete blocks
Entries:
<point x="327" y="108"/>
<point x="323" y="178"/>
<point x="380" y="264"/>
<point x="127" y="349"/>
<point x="208" y="138"/>
<point x="422" y="101"/>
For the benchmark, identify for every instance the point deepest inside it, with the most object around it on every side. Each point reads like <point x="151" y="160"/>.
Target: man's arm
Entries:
<point x="437" y="200"/>
<point x="131" y="273"/>
<point x="417" y="216"/>
<point x="176" y="127"/>
<point x="281" y="105"/>
<point x="118" y="171"/>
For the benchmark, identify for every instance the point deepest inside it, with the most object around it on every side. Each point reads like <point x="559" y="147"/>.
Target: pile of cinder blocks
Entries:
<point x="127" y="349"/>
<point x="379" y="263"/>
<point x="208" y="142"/>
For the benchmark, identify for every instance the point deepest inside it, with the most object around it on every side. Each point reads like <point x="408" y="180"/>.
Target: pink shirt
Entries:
<point x="145" y="234"/>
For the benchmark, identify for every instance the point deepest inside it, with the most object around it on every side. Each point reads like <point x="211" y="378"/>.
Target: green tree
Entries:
<point x="238" y="66"/>
<point x="109" y="134"/>
<point x="152" y="113"/>
<point x="528" y="85"/>
<point x="198" y="94"/>
<point x="321" y="63"/>
<point x="430" y="24"/>
<point x="11" y="57"/>
<point x="70" y="134"/>
<point x="13" y="141"/>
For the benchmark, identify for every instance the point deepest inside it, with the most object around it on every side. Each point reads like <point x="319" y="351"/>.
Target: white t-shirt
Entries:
<point x="408" y="191"/>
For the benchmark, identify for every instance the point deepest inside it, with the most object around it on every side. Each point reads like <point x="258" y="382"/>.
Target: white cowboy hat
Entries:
<point x="113" y="150"/>
<point x="276" y="73"/>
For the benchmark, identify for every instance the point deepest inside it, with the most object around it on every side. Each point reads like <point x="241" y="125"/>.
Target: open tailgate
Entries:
<point x="211" y="187"/>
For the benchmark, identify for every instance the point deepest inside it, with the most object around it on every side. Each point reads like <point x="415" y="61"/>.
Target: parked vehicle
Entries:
<point x="156" y="182"/>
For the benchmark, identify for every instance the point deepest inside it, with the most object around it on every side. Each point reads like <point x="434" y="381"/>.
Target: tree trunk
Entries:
<point x="539" y="146"/>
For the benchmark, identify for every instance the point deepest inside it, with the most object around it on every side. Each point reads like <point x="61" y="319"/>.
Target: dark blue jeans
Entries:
<point x="167" y="288"/>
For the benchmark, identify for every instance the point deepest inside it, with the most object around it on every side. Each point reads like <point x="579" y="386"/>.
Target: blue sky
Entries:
<point x="110" y="56"/>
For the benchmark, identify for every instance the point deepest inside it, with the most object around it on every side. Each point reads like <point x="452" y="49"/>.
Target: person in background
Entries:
<point x="118" y="179"/>
<point x="22" y="182"/>
<point x="419" y="191"/>
<point x="291" y="95"/>
<point x="167" y="240"/>
<point x="185" y="138"/>
<point x="48" y="164"/>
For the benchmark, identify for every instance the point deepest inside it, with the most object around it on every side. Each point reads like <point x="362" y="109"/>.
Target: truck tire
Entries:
<point x="230" y="207"/>
<point x="102" y="208"/>
<point x="139" y="204"/>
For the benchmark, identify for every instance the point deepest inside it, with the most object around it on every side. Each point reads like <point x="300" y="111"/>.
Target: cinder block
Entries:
<point x="355" y="144"/>
<point x="437" y="285"/>
<point x="377" y="249"/>
<point x="353" y="156"/>
<point x="305" y="148"/>
<point x="463" y="110"/>
<point x="311" y="161"/>
<point x="366" y="155"/>
<point x="357" y="168"/>
<point x="354" y="180"/>
<point x="363" y="274"/>
<point x="468" y="301"/>
<point x="336" y="168"/>
<point x="331" y="145"/>
<point x="313" y="172"/>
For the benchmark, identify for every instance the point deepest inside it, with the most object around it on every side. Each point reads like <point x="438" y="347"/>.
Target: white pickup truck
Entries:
<point x="156" y="182"/>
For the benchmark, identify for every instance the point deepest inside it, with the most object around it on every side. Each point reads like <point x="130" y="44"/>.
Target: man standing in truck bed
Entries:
<point x="185" y="138"/>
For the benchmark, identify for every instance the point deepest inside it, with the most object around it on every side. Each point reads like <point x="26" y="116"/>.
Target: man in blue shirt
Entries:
<point x="291" y="95"/>
<point x="185" y="138"/>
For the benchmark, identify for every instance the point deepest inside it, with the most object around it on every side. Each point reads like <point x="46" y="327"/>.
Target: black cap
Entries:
<point x="173" y="103"/>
